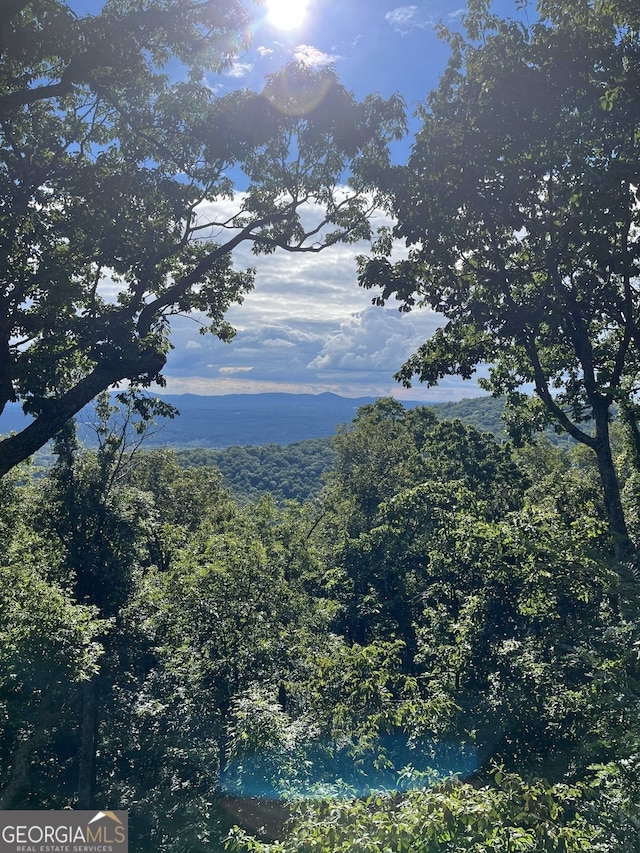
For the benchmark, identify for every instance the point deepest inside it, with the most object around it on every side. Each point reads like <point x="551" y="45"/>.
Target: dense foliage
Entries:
<point x="290" y="472"/>
<point x="519" y="206"/>
<point x="433" y="650"/>
<point x="297" y="471"/>
<point x="115" y="172"/>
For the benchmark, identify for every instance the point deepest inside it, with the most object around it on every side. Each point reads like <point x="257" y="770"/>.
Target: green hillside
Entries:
<point x="483" y="413"/>
<point x="295" y="471"/>
<point x="289" y="472"/>
<point x="439" y="630"/>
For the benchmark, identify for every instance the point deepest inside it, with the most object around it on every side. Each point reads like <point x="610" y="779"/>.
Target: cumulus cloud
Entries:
<point x="375" y="339"/>
<point x="281" y="335"/>
<point x="312" y="56"/>
<point x="306" y="327"/>
<point x="300" y="288"/>
<point x="238" y="70"/>
<point x="404" y="19"/>
<point x="356" y="357"/>
<point x="268" y="351"/>
<point x="278" y="342"/>
<point x="306" y="323"/>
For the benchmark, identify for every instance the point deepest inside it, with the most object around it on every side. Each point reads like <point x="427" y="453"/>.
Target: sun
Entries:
<point x="286" y="14"/>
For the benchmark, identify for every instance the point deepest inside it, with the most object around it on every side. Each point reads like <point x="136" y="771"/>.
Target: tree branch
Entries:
<point x="542" y="390"/>
<point x="17" y="448"/>
<point x="180" y="287"/>
<point x="29" y="96"/>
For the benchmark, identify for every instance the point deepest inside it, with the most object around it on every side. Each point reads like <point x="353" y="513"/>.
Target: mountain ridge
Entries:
<point x="229" y="420"/>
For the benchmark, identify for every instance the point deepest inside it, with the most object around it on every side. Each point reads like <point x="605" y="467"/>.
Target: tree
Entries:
<point x="514" y="815"/>
<point x="88" y="532"/>
<point x="519" y="204"/>
<point x="50" y="648"/>
<point x="97" y="525"/>
<point x="228" y="619"/>
<point x="496" y="583"/>
<point x="396" y="472"/>
<point x="112" y="178"/>
<point x="375" y="454"/>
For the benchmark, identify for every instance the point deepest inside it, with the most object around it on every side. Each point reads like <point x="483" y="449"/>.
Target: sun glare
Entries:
<point x="286" y="14"/>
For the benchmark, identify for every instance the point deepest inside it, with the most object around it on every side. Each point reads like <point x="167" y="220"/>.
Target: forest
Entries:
<point x="433" y="642"/>
<point x="295" y="471"/>
<point x="434" y="653"/>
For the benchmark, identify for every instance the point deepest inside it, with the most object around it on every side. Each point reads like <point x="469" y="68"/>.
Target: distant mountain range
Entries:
<point x="257" y="419"/>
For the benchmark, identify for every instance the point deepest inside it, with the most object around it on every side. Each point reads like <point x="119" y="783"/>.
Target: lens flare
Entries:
<point x="295" y="91"/>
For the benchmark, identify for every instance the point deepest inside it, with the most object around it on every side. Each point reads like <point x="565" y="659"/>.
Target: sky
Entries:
<point x="307" y="327"/>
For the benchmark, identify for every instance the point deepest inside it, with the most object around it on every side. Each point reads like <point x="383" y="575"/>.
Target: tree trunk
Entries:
<point x="22" y="757"/>
<point x="16" y="448"/>
<point x="628" y="415"/>
<point x="86" y="757"/>
<point x="623" y="546"/>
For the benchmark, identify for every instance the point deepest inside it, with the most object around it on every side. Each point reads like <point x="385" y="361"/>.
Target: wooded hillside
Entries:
<point x="439" y="632"/>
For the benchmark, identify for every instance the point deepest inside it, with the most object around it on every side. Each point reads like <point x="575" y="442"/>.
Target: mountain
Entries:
<point x="256" y="419"/>
<point x="274" y="418"/>
<point x="233" y="419"/>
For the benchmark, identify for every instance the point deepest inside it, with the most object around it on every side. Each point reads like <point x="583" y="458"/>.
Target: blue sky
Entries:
<point x="307" y="327"/>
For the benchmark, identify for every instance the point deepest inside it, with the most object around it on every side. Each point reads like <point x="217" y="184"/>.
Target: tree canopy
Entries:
<point x="519" y="204"/>
<point x="117" y="195"/>
<point x="432" y="651"/>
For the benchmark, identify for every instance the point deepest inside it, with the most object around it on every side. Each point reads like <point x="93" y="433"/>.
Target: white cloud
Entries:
<point x="312" y="56"/>
<point x="375" y="339"/>
<point x="238" y="70"/>
<point x="404" y="19"/>
<point x="306" y="327"/>
<point x="277" y="342"/>
<point x="295" y="287"/>
<point x="306" y="324"/>
<point x="231" y="370"/>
